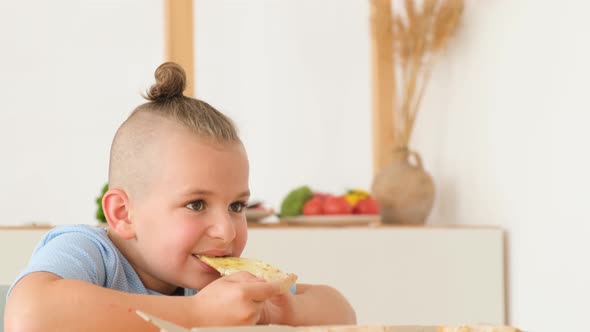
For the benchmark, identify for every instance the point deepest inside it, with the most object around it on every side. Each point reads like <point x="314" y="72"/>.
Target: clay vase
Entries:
<point x="404" y="190"/>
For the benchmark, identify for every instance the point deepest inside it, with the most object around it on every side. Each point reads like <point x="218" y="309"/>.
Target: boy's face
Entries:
<point x="194" y="204"/>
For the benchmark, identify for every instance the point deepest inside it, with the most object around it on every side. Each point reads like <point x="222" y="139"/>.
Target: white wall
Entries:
<point x="295" y="76"/>
<point x="503" y="127"/>
<point x="504" y="131"/>
<point x="70" y="72"/>
<point x="501" y="130"/>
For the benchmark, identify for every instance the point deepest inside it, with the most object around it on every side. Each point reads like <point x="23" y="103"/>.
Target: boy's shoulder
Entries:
<point x="85" y="239"/>
<point x="78" y="231"/>
<point x="82" y="228"/>
<point x="81" y="252"/>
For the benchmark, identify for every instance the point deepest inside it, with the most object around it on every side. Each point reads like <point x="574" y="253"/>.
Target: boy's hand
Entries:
<point x="279" y="310"/>
<point x="312" y="305"/>
<point x="238" y="299"/>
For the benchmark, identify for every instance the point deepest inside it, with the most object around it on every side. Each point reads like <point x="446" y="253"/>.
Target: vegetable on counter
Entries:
<point x="293" y="203"/>
<point x="305" y="201"/>
<point x="99" y="211"/>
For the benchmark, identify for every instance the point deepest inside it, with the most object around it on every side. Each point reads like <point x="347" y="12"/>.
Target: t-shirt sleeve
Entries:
<point x="70" y="255"/>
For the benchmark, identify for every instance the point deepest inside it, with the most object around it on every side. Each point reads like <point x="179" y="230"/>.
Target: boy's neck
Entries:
<point x="178" y="292"/>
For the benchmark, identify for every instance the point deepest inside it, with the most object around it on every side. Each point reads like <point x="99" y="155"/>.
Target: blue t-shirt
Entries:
<point x="86" y="253"/>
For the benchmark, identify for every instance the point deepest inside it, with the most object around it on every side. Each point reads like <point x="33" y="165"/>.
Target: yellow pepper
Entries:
<point x="354" y="195"/>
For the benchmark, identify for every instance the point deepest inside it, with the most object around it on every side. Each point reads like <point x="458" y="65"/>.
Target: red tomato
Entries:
<point x="366" y="206"/>
<point x="313" y="207"/>
<point x="337" y="205"/>
<point x="321" y="196"/>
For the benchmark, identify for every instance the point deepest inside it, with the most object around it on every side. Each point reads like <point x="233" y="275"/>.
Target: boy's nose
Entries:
<point x="222" y="227"/>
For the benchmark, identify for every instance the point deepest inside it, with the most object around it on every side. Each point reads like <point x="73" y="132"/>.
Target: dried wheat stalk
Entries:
<point x="419" y="30"/>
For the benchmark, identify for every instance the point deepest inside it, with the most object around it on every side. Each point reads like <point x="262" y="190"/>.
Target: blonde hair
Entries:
<point x="131" y="156"/>
<point x="166" y="98"/>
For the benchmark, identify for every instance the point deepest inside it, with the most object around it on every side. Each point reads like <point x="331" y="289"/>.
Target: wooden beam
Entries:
<point x="178" y="32"/>
<point x="383" y="84"/>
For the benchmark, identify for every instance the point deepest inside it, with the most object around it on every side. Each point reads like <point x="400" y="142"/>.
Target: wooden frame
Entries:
<point x="383" y="84"/>
<point x="178" y="32"/>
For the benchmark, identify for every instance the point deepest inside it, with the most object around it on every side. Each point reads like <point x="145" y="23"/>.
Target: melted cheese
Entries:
<point x="230" y="265"/>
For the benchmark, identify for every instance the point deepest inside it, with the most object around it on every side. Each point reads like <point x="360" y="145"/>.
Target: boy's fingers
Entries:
<point x="257" y="289"/>
<point x="263" y="291"/>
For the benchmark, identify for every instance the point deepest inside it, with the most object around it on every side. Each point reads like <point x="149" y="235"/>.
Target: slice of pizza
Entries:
<point x="477" y="328"/>
<point x="230" y="265"/>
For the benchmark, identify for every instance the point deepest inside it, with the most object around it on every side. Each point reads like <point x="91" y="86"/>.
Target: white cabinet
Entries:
<point x="391" y="275"/>
<point x="397" y="275"/>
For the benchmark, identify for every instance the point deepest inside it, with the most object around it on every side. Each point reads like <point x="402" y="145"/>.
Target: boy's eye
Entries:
<point x="237" y="206"/>
<point x="198" y="205"/>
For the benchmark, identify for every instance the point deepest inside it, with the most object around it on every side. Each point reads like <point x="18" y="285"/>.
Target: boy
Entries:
<point x="178" y="179"/>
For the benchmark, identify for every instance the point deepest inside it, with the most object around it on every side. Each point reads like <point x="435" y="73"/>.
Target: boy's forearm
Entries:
<point x="322" y="305"/>
<point x="75" y="305"/>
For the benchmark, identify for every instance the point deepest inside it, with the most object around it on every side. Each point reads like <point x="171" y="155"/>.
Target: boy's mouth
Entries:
<point x="204" y="265"/>
<point x="215" y="253"/>
<point x="201" y="255"/>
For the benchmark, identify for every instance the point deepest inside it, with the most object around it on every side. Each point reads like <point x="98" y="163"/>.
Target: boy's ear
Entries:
<point x="115" y="204"/>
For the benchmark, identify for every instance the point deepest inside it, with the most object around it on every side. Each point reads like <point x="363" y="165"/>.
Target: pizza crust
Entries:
<point x="230" y="265"/>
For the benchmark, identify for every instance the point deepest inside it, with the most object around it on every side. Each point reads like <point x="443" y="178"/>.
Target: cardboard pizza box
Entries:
<point x="166" y="326"/>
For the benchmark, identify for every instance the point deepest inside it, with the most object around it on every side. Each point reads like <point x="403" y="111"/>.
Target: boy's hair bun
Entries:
<point x="170" y="83"/>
